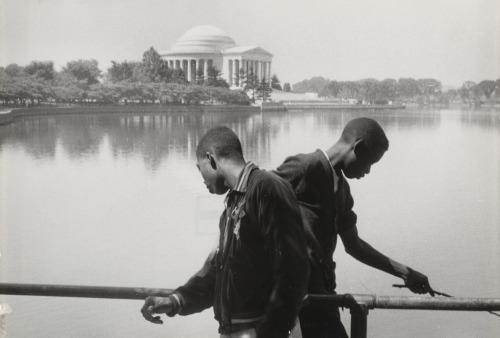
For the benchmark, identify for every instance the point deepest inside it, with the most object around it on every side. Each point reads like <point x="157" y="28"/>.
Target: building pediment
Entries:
<point x="247" y="51"/>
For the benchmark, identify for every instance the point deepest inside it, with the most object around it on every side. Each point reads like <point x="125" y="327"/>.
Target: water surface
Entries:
<point x="116" y="200"/>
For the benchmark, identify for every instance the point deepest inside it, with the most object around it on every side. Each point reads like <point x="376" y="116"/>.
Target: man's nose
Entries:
<point x="367" y="171"/>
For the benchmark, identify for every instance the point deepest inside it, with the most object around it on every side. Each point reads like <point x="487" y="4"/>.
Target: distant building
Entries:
<point x="202" y="46"/>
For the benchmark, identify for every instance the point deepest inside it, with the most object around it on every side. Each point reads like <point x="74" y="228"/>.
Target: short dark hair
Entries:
<point x="370" y="131"/>
<point x="222" y="141"/>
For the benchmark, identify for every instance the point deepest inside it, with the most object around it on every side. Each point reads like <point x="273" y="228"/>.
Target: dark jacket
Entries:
<point x="260" y="269"/>
<point x="325" y="214"/>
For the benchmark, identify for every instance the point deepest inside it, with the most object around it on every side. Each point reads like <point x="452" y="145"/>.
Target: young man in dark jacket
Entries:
<point x="326" y="206"/>
<point x="256" y="280"/>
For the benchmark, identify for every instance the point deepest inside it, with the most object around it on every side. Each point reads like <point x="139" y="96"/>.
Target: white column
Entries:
<point x="205" y="69"/>
<point x="225" y="69"/>
<point x="237" y="72"/>
<point x="230" y="72"/>
<point x="189" y="71"/>
<point x="196" y="66"/>
<point x="269" y="72"/>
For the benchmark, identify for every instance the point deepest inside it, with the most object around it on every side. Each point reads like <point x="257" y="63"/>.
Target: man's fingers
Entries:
<point x="147" y="312"/>
<point x="149" y="317"/>
<point x="147" y="303"/>
<point x="429" y="289"/>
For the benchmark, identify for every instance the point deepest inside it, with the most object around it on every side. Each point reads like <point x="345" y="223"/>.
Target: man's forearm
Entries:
<point x="366" y="254"/>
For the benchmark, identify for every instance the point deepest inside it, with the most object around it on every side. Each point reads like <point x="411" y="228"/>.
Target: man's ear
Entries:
<point x="359" y="145"/>
<point x="360" y="148"/>
<point x="211" y="160"/>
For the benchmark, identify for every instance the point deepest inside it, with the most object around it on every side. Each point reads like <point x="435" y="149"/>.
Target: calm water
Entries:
<point x="117" y="200"/>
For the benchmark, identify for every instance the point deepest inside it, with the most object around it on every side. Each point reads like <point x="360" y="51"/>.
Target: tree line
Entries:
<point x="404" y="89"/>
<point x="146" y="81"/>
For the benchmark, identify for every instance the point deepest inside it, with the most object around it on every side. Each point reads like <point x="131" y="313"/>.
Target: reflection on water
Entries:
<point x="115" y="199"/>
<point x="153" y="137"/>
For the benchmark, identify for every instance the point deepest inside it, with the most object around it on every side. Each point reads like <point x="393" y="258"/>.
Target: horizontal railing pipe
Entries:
<point x="409" y="303"/>
<point x="81" y="291"/>
<point x="347" y="300"/>
<point x="358" y="304"/>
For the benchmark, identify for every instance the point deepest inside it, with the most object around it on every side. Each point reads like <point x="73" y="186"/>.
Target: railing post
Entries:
<point x="359" y="314"/>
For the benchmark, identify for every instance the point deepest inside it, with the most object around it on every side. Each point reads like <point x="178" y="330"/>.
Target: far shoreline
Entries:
<point x="9" y="114"/>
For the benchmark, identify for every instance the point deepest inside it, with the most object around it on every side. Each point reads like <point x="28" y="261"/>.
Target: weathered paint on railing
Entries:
<point x="359" y="305"/>
<point x="81" y="291"/>
<point x="411" y="302"/>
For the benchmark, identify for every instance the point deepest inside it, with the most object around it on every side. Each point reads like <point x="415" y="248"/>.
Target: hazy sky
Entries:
<point x="450" y="40"/>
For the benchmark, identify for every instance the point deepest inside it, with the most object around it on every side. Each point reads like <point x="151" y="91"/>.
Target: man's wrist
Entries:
<point x="401" y="270"/>
<point x="176" y="301"/>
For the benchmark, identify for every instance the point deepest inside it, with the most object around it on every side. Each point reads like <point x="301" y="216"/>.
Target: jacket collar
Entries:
<point x="242" y="184"/>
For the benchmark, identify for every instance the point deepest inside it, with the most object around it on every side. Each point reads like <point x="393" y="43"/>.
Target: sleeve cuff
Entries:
<point x="177" y="300"/>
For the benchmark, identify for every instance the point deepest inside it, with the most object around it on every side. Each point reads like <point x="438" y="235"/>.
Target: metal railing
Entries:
<point x="359" y="305"/>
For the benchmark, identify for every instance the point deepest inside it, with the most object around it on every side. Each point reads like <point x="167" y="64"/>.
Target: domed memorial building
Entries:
<point x="204" y="46"/>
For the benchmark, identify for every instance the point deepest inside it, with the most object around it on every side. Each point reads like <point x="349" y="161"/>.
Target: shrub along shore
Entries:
<point x="8" y="115"/>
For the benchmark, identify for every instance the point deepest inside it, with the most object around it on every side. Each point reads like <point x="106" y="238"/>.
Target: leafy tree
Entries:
<point x="275" y="82"/>
<point x="287" y="87"/>
<point x="449" y="96"/>
<point x="214" y="78"/>
<point x="87" y="70"/>
<point x="200" y="75"/>
<point x="349" y="89"/>
<point x="408" y="87"/>
<point x="314" y="85"/>
<point x="467" y="91"/>
<point x="178" y="76"/>
<point x="368" y="89"/>
<point x="14" y="70"/>
<point x="68" y="88"/>
<point x="41" y="69"/>
<point x="251" y="83"/>
<point x="429" y="86"/>
<point x="155" y="68"/>
<point x="387" y="89"/>
<point x="120" y="71"/>
<point x="242" y="77"/>
<point x="22" y="86"/>
<point x="486" y="87"/>
<point x="139" y="73"/>
<point x="332" y="89"/>
<point x="263" y="90"/>
<point x="104" y="93"/>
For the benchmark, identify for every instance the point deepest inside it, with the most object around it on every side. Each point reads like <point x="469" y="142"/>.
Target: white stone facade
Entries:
<point x="202" y="46"/>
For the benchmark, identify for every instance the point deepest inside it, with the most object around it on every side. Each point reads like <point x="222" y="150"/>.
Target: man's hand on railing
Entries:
<point x="153" y="305"/>
<point x="418" y="282"/>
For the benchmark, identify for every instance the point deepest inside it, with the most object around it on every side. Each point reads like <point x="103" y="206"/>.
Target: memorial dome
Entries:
<point x="203" y="39"/>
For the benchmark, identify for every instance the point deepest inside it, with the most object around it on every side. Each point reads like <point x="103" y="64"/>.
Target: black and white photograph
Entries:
<point x="249" y="169"/>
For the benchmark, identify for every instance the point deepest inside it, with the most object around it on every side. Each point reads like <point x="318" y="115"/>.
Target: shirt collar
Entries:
<point x="242" y="184"/>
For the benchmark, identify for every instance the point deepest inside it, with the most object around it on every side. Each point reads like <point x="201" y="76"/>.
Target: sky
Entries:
<point x="450" y="40"/>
